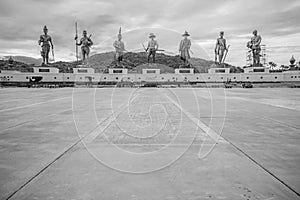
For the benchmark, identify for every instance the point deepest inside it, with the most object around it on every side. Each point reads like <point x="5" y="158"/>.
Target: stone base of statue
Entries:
<point x="184" y="71"/>
<point x="256" y="70"/>
<point x="83" y="70"/>
<point x="151" y="71"/>
<point x="46" y="69"/>
<point x="117" y="71"/>
<point x="153" y="67"/>
<point x="219" y="70"/>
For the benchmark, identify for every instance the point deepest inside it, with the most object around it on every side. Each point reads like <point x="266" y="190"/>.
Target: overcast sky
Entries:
<point x="277" y="21"/>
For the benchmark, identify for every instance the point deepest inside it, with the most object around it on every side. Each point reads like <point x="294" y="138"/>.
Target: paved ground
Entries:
<point x="149" y="144"/>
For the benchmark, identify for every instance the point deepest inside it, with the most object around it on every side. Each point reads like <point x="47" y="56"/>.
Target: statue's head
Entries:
<point x="152" y="36"/>
<point x="45" y="29"/>
<point x="222" y="33"/>
<point x="84" y="33"/>
<point x="185" y="34"/>
<point x="255" y="32"/>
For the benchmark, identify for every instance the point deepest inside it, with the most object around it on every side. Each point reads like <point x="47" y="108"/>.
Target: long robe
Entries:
<point x="120" y="47"/>
<point x="184" y="48"/>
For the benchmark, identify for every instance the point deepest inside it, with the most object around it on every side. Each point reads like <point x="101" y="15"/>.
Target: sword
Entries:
<point x="53" y="54"/>
<point x="226" y="53"/>
<point x="216" y="55"/>
<point x="91" y="46"/>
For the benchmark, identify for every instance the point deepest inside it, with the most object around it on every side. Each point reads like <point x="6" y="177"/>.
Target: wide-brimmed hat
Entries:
<point x="151" y="35"/>
<point x="186" y="34"/>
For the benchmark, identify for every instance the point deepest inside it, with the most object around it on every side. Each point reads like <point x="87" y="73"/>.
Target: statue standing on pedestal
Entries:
<point x="46" y="41"/>
<point x="220" y="48"/>
<point x="254" y="45"/>
<point x="85" y="43"/>
<point x="152" y="47"/>
<point x="119" y="47"/>
<point x="184" y="48"/>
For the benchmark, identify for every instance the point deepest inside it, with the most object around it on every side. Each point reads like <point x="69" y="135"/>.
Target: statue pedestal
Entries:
<point x="150" y="71"/>
<point x="184" y="71"/>
<point x="256" y="70"/>
<point x="219" y="70"/>
<point x="118" y="71"/>
<point x="83" y="70"/>
<point x="53" y="70"/>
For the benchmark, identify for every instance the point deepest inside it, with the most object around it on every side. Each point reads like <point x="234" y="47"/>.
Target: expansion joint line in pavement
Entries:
<point x="264" y="168"/>
<point x="210" y="132"/>
<point x="271" y="119"/>
<point x="215" y="136"/>
<point x="34" y="104"/>
<point x="34" y="120"/>
<point x="276" y="121"/>
<point x="113" y="115"/>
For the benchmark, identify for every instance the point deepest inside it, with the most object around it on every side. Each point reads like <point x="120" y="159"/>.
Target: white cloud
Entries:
<point x="21" y="23"/>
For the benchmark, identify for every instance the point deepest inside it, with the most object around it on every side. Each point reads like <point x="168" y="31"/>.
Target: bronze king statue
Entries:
<point x="220" y="49"/>
<point x="45" y="40"/>
<point x="152" y="47"/>
<point x="184" y="48"/>
<point x="85" y="43"/>
<point x="119" y="48"/>
<point x="254" y="45"/>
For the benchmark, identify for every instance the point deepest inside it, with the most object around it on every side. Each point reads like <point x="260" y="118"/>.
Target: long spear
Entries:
<point x="76" y="37"/>
<point x="155" y="49"/>
<point x="144" y="47"/>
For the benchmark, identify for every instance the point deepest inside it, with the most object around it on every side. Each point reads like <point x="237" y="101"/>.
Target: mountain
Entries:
<point x="100" y="62"/>
<point x="132" y="60"/>
<point x="26" y="60"/>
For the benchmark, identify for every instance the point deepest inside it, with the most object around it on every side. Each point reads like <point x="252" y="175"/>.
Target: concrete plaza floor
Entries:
<point x="150" y="143"/>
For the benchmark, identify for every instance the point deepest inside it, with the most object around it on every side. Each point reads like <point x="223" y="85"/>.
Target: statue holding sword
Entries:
<point x="46" y="41"/>
<point x="220" y="49"/>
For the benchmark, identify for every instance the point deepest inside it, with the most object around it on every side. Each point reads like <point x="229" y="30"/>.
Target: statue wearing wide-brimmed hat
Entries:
<point x="152" y="47"/>
<point x="45" y="40"/>
<point x="119" y="47"/>
<point x="184" y="48"/>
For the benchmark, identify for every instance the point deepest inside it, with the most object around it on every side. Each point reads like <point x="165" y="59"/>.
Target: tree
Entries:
<point x="272" y="65"/>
